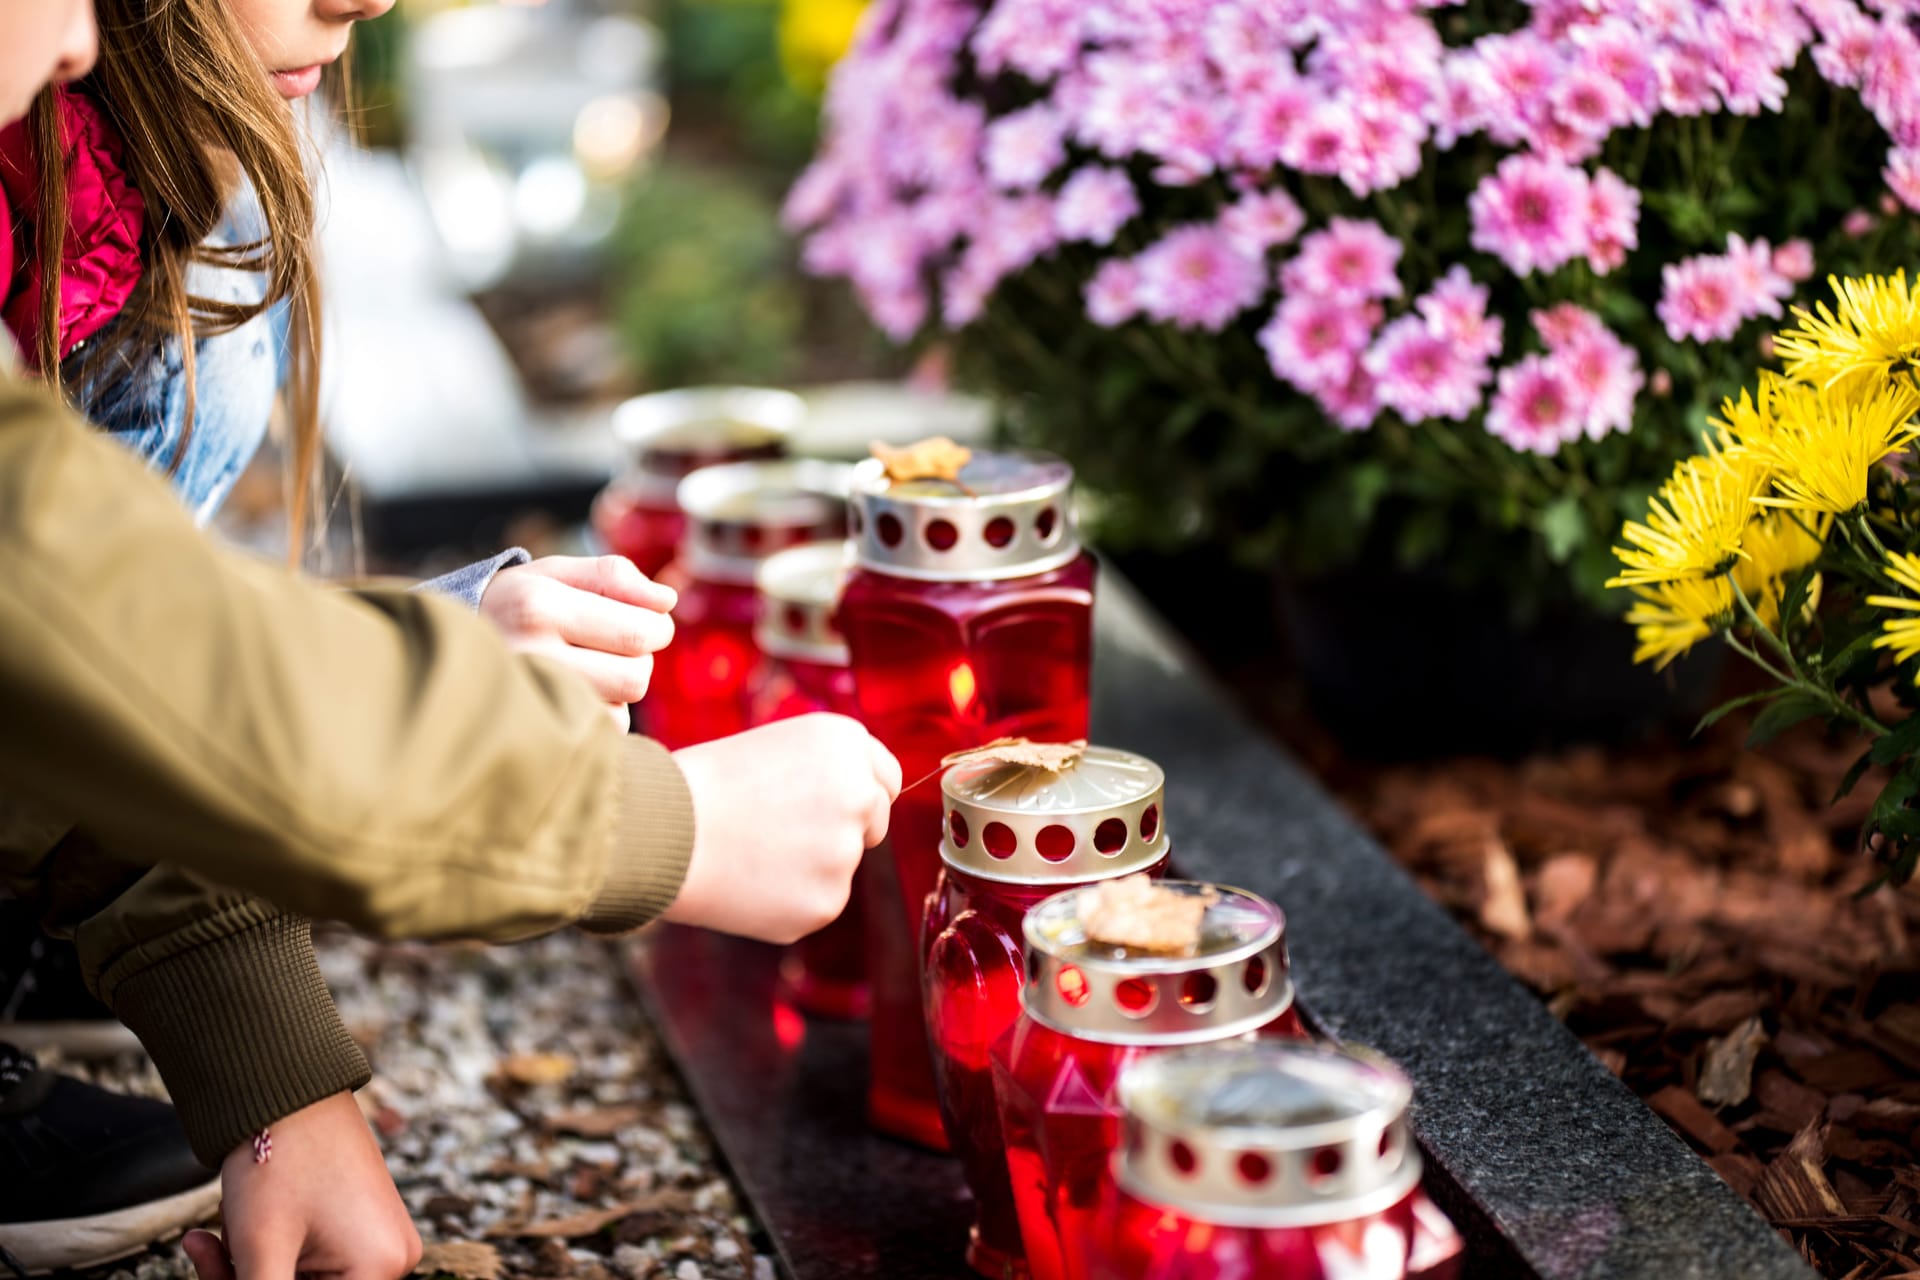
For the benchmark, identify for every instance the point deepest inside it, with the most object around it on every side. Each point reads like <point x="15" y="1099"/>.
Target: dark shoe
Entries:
<point x="44" y="1003"/>
<point x="88" y="1176"/>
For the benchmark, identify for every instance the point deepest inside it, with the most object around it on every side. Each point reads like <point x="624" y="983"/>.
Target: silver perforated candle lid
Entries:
<point x="740" y="514"/>
<point x="1236" y="981"/>
<point x="1010" y="515"/>
<point x="1100" y="817"/>
<point x="799" y="589"/>
<point x="668" y="435"/>
<point x="1267" y="1134"/>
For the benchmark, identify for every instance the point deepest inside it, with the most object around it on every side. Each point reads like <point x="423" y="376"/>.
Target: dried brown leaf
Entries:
<point x="936" y="458"/>
<point x="593" y="1122"/>
<point x="536" y="1068"/>
<point x="1135" y="913"/>
<point x="1054" y="757"/>
<point x="1726" y="1074"/>
<point x="585" y="1223"/>
<point x="468" y="1259"/>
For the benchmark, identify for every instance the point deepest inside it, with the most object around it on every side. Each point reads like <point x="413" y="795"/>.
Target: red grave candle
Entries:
<point x="1283" y="1161"/>
<point x="669" y="435"/>
<point x="968" y="617"/>
<point x="803" y="669"/>
<point x="1015" y="835"/>
<point x="737" y="516"/>
<point x="1089" y="1011"/>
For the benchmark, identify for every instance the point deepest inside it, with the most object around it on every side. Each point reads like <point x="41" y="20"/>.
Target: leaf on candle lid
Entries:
<point x="1136" y="913"/>
<point x="937" y="458"/>
<point x="1054" y="757"/>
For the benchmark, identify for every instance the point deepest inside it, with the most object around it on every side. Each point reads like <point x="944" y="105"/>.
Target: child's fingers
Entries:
<point x="208" y="1255"/>
<point x="596" y="622"/>
<point x="614" y="577"/>
<point x="886" y="768"/>
<point x="265" y="1257"/>
<point x="615" y="678"/>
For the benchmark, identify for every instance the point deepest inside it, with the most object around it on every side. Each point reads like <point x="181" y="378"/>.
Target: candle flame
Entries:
<point x="962" y="686"/>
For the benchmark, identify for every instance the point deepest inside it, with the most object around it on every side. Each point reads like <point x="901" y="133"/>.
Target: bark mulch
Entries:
<point x="1692" y="910"/>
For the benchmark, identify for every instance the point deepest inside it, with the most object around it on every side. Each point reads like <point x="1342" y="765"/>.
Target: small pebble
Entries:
<point x="688" y="1270"/>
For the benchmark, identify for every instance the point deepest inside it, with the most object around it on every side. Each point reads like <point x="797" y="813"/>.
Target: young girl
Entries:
<point x="166" y="284"/>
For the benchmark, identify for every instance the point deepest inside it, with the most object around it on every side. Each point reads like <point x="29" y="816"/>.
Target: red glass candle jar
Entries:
<point x="1014" y="836"/>
<point x="968" y="617"/>
<point x="737" y="516"/>
<point x="1089" y="1010"/>
<point x="803" y="669"/>
<point x="669" y="435"/>
<point x="1286" y="1161"/>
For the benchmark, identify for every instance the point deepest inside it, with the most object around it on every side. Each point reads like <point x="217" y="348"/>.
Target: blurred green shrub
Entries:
<point x="704" y="286"/>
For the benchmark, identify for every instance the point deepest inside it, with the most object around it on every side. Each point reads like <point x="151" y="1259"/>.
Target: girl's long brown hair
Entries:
<point x="196" y="112"/>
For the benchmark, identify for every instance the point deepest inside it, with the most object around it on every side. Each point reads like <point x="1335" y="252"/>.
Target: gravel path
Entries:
<point x="529" y="1117"/>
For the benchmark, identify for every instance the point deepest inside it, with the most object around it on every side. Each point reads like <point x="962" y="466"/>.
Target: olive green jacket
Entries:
<point x="212" y="749"/>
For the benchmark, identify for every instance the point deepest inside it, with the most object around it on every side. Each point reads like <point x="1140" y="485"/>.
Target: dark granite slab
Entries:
<point x="1550" y="1165"/>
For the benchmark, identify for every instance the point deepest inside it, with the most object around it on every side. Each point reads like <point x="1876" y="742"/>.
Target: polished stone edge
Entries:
<point x="1524" y="1126"/>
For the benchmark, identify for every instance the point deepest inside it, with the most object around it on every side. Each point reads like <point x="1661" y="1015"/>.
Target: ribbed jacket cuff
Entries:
<point x="652" y="840"/>
<point x="244" y="1032"/>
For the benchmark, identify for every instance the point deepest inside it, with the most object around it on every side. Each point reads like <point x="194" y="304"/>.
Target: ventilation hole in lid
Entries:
<point x="998" y="837"/>
<point x="957" y="828"/>
<point x="941" y="535"/>
<point x="999" y="532"/>
<point x="1136" y="997"/>
<point x="1254" y="1168"/>
<point x="1197" y="992"/>
<point x="887" y="529"/>
<point x="1072" y="985"/>
<point x="1110" y="837"/>
<point x="1054" y="843"/>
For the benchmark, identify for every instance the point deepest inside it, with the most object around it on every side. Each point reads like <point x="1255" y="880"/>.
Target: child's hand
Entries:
<point x="598" y="615"/>
<point x="322" y="1203"/>
<point x="780" y="817"/>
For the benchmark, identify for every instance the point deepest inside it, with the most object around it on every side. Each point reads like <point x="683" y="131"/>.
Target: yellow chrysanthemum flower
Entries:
<point x="1775" y="546"/>
<point x="1875" y="331"/>
<point x="1749" y="420"/>
<point x="1823" y="445"/>
<point x="1671" y="617"/>
<point x="1902" y="635"/>
<point x="1694" y="524"/>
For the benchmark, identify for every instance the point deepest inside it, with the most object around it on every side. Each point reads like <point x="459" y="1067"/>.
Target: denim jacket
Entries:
<point x="139" y="397"/>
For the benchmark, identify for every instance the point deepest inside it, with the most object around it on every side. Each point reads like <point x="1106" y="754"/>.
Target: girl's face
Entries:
<point x="296" y="39"/>
<point x="41" y="41"/>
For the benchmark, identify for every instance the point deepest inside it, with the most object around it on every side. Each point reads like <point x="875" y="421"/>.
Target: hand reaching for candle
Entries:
<point x="598" y="615"/>
<point x="781" y="815"/>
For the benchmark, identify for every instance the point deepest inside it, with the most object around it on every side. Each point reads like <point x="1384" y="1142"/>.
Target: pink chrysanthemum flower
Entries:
<point x="1701" y="299"/>
<point x="1113" y="295"/>
<point x="1794" y="261"/>
<point x="1764" y="289"/>
<point x="1456" y="309"/>
<point x="1857" y="224"/>
<point x="1846" y="45"/>
<point x="1268" y="118"/>
<point x="1902" y="175"/>
<point x="1521" y="68"/>
<point x="1023" y="148"/>
<point x="1314" y="343"/>
<point x="1094" y="204"/>
<point x="1197" y="278"/>
<point x="1353" y="405"/>
<point x="1260" y="220"/>
<point x="1565" y="325"/>
<point x="1467" y="100"/>
<point x="1420" y="373"/>
<point x="898" y="312"/>
<point x="1322" y="141"/>
<point x="1535" y="406"/>
<point x="1621" y="54"/>
<point x="1687" y="81"/>
<point x="1531" y="214"/>
<point x="1590" y="101"/>
<point x="1604" y="371"/>
<point x="1613" y="221"/>
<point x="1351" y="260"/>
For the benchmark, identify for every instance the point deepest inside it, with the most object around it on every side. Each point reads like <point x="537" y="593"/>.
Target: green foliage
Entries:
<point x="703" y="281"/>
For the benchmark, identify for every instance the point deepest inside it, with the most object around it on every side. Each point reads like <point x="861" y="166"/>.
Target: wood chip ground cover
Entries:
<point x="1692" y="910"/>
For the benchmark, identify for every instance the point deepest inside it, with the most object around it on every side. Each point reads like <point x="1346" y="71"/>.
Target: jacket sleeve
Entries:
<point x="469" y="582"/>
<point x="376" y="757"/>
